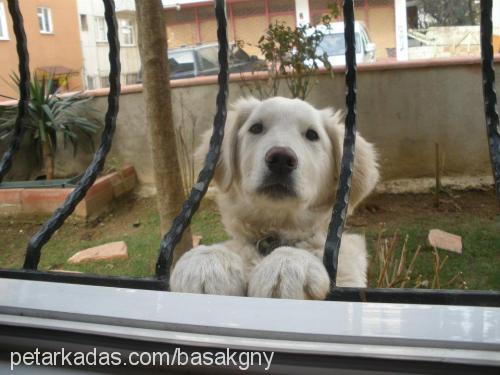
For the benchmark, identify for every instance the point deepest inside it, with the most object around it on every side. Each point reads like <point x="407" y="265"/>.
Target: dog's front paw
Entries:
<point x="289" y="273"/>
<point x="209" y="270"/>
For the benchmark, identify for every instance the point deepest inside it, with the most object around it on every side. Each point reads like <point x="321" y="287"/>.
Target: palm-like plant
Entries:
<point x="50" y="115"/>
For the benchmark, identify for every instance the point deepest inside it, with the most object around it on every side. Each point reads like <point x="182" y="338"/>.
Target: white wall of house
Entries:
<point x="302" y="11"/>
<point x="401" y="30"/>
<point x="95" y="47"/>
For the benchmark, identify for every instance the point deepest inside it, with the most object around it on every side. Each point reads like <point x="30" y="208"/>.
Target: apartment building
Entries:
<point x="94" y="43"/>
<point x="193" y="21"/>
<point x="53" y="42"/>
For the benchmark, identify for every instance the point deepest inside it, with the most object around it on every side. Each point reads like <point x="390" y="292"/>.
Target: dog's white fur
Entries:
<point x="236" y="267"/>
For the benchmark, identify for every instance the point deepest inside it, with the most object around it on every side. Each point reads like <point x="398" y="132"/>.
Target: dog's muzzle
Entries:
<point x="278" y="182"/>
<point x="281" y="161"/>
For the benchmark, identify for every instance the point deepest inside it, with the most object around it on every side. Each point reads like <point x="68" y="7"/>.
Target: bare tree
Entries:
<point x="450" y="13"/>
<point x="168" y="177"/>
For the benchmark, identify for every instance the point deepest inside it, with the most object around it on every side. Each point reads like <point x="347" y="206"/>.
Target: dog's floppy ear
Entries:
<point x="365" y="172"/>
<point x="226" y="169"/>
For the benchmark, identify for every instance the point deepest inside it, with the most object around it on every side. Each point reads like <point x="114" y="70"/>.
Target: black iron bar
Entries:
<point x="418" y="296"/>
<point x="36" y="243"/>
<point x="339" y="214"/>
<point x="180" y="223"/>
<point x="24" y="88"/>
<point x="489" y="94"/>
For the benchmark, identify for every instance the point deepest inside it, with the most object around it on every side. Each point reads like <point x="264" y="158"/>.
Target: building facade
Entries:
<point x="94" y="43"/>
<point x="192" y="21"/>
<point x="53" y="43"/>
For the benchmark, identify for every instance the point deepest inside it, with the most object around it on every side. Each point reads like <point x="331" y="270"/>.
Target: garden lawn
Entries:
<point x="471" y="215"/>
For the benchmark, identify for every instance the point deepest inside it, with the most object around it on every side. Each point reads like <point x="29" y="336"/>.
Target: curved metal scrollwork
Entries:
<point x="339" y="214"/>
<point x="24" y="88"/>
<point x="54" y="223"/>
<point x="486" y="298"/>
<point x="181" y="222"/>
<point x="489" y="94"/>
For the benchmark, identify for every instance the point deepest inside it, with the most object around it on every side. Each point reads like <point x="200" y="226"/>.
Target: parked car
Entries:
<point x="202" y="60"/>
<point x="333" y="43"/>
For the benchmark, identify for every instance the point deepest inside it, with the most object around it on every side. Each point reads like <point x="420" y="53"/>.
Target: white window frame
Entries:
<point x="101" y="30"/>
<point x="126" y="29"/>
<point x="465" y="335"/>
<point x="45" y="24"/>
<point x="4" y="31"/>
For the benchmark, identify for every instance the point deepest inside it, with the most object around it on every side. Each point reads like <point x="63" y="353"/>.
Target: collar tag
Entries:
<point x="267" y="245"/>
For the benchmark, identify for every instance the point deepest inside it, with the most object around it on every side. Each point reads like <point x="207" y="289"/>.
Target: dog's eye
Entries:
<point x="256" y="128"/>
<point x="312" y="135"/>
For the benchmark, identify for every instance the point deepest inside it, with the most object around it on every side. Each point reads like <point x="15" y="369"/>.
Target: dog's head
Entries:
<point x="284" y="151"/>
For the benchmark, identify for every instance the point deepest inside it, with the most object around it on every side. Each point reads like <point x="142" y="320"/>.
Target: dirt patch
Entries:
<point x="394" y="209"/>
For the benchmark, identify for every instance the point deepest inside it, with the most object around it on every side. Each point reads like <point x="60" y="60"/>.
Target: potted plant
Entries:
<point x="51" y="116"/>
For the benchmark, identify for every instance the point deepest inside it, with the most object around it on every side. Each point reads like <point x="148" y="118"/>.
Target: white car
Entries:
<point x="333" y="44"/>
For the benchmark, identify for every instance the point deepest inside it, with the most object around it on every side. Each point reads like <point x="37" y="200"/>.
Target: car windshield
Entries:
<point x="181" y="61"/>
<point x="237" y="55"/>
<point x="209" y="57"/>
<point x="334" y="45"/>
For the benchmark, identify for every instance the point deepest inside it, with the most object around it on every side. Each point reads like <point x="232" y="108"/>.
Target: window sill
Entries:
<point x="460" y="335"/>
<point x="47" y="32"/>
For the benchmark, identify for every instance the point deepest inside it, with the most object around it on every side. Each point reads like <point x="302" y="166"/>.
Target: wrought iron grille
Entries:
<point x="170" y="240"/>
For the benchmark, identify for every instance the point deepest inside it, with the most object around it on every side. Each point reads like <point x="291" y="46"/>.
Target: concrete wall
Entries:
<point x="402" y="108"/>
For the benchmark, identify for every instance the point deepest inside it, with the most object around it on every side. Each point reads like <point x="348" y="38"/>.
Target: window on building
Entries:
<point x="186" y="15"/>
<point x="281" y="6"/>
<point x="249" y="9"/>
<point x="131" y="78"/>
<point x="83" y="22"/>
<point x="104" y="81"/>
<point x="127" y="37"/>
<point x="90" y="83"/>
<point x="45" y="20"/>
<point x="4" y="34"/>
<point x="101" y="30"/>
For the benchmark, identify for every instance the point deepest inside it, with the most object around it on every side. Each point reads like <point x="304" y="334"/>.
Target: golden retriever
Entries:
<point x="277" y="178"/>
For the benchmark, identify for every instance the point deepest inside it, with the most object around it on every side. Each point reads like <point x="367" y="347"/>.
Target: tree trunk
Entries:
<point x="48" y="160"/>
<point x="156" y="81"/>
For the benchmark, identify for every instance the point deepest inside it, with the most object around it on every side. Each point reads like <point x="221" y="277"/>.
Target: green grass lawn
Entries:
<point x="479" y="262"/>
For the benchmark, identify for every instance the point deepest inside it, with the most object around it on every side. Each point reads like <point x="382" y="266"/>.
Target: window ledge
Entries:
<point x="439" y="334"/>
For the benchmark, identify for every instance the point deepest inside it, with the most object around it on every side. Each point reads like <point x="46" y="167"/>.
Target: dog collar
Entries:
<point x="268" y="244"/>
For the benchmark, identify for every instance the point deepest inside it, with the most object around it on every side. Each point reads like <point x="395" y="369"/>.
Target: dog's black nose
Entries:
<point x="281" y="160"/>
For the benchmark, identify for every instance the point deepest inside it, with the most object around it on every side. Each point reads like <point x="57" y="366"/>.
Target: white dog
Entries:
<point x="277" y="178"/>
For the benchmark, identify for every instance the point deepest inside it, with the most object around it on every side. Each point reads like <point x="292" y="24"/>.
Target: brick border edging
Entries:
<point x="26" y="201"/>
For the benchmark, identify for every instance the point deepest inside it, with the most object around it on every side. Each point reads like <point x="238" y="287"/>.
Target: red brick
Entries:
<point x="109" y="251"/>
<point x="129" y="183"/>
<point x="10" y="196"/>
<point x="10" y="201"/>
<point x="116" y="183"/>
<point x="43" y="200"/>
<point x="101" y="185"/>
<point x="128" y="170"/>
<point x="444" y="240"/>
<point x="81" y="209"/>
